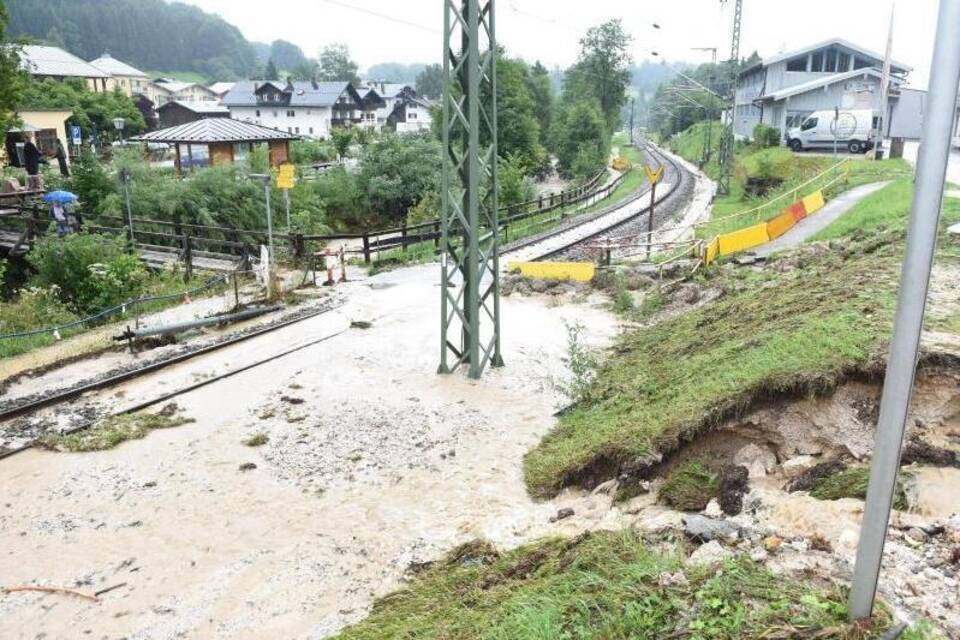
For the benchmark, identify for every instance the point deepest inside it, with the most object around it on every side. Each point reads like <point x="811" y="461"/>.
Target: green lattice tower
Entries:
<point x="470" y="298"/>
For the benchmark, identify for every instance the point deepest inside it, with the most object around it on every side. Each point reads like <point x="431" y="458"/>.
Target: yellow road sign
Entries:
<point x="286" y="176"/>
<point x="653" y="175"/>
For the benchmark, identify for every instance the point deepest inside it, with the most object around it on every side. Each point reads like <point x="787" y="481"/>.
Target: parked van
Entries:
<point x="850" y="129"/>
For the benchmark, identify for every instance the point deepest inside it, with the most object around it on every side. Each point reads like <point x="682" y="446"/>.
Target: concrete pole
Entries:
<point x="266" y="191"/>
<point x="286" y="204"/>
<point x="908" y="322"/>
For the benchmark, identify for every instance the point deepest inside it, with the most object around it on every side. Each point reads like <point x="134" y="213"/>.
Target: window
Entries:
<point x="240" y="151"/>
<point x="797" y="64"/>
<point x="844" y="62"/>
<point x="197" y="155"/>
<point x="816" y="64"/>
<point x="311" y="130"/>
<point x="809" y="124"/>
<point x="258" y="113"/>
<point x="411" y="115"/>
<point x="289" y="129"/>
<point x="861" y="63"/>
<point x="291" y="114"/>
<point x="296" y="129"/>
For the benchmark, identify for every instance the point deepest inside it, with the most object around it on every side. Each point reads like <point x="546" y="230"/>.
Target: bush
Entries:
<point x="36" y="308"/>
<point x="311" y="151"/>
<point x="514" y="186"/>
<point x="690" y="488"/>
<point x="90" y="181"/>
<point x="765" y="137"/>
<point x="90" y="271"/>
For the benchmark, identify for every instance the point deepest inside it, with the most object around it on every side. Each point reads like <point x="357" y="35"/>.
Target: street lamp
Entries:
<point x="119" y="124"/>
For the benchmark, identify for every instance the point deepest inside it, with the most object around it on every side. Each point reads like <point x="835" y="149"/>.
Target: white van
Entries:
<point x="850" y="129"/>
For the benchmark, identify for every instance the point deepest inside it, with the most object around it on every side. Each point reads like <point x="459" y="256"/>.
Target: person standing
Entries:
<point x="31" y="161"/>
<point x="61" y="156"/>
<point x="60" y="217"/>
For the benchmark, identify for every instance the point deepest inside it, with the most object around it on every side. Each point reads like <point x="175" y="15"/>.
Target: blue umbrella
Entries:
<point x="60" y="197"/>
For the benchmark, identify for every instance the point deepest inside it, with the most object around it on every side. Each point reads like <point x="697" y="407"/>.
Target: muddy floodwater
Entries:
<point x="373" y="462"/>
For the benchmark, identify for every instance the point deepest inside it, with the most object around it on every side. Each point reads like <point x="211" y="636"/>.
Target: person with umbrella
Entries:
<point x="59" y="200"/>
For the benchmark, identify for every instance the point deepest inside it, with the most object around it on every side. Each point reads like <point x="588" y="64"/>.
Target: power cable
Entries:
<point x="384" y="16"/>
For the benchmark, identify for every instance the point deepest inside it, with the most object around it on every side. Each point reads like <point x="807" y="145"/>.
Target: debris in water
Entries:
<point x="563" y="514"/>
<point x="248" y="466"/>
<point x="361" y="324"/>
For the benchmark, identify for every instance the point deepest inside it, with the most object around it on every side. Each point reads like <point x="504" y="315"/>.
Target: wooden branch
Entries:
<point x="79" y="594"/>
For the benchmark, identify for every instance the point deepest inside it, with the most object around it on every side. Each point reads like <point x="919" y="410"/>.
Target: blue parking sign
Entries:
<point x="75" y="135"/>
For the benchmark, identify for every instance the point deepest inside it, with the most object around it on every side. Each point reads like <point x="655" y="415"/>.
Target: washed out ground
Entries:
<point x="372" y="462"/>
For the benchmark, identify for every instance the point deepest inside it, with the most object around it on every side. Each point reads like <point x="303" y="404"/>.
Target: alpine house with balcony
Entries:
<point x="308" y="109"/>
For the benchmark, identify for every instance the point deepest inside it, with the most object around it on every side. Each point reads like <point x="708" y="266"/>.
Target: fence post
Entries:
<point x="436" y="235"/>
<point x="403" y="238"/>
<point x="540" y="203"/>
<point x="300" y="246"/>
<point x="187" y="258"/>
<point x="366" y="247"/>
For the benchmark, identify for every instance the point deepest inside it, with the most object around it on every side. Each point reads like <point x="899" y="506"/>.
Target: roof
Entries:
<point x="109" y="64"/>
<point x="304" y="94"/>
<point x="216" y="130"/>
<point x="41" y="60"/>
<point x="220" y="88"/>
<point x="820" y="82"/>
<point x="174" y="86"/>
<point x="898" y="67"/>
<point x="199" y="106"/>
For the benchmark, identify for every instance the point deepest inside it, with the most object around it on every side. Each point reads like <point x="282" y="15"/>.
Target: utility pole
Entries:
<point x="726" y="142"/>
<point x="469" y="245"/>
<point x="908" y="321"/>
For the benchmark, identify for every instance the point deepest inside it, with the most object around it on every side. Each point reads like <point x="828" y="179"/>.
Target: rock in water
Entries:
<point x="734" y="483"/>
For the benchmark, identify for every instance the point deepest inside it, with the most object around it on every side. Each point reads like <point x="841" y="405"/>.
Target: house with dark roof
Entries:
<point x="177" y="112"/>
<point x="782" y="90"/>
<point x="309" y="109"/>
<point x="411" y="115"/>
<point x="217" y="141"/>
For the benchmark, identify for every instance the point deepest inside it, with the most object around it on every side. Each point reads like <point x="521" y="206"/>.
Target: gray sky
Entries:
<point x="548" y="30"/>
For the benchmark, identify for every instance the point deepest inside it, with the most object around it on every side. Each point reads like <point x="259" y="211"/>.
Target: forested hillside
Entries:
<point x="149" y="34"/>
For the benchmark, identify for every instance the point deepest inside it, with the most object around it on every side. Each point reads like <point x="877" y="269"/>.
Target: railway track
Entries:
<point x="570" y="241"/>
<point x="30" y="405"/>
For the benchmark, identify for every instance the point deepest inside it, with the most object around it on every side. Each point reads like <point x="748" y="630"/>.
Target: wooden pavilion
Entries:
<point x="218" y="141"/>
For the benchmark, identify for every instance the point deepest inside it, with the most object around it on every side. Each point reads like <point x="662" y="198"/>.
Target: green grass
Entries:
<point x="802" y="330"/>
<point x="257" y="440"/>
<point x="852" y="483"/>
<point x="160" y="286"/>
<point x="690" y="487"/>
<point x="604" y="586"/>
<point x="111" y="432"/>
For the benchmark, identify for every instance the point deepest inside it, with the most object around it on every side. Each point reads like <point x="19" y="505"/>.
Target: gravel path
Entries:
<point x="811" y="225"/>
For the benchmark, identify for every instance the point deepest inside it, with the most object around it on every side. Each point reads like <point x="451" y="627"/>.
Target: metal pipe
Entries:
<point x="908" y="322"/>
<point x="180" y="327"/>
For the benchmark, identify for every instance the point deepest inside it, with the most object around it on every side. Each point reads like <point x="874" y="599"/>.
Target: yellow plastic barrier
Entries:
<point x="712" y="252"/>
<point x="744" y="239"/>
<point x="578" y="271"/>
<point x="781" y="224"/>
<point x="814" y="202"/>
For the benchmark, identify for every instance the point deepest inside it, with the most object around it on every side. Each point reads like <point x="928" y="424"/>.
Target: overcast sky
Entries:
<point x="548" y="30"/>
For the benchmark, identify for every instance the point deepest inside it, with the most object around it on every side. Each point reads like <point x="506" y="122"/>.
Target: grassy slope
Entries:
<point x="665" y="382"/>
<point x="605" y="585"/>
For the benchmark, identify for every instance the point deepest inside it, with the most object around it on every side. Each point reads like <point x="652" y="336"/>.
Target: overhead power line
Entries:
<point x="384" y="16"/>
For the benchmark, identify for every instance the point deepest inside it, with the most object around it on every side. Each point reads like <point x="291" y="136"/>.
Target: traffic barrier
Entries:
<point x="578" y="271"/>
<point x="744" y="239"/>
<point x="814" y="202"/>
<point x="781" y="224"/>
<point x="798" y="211"/>
<point x="712" y="251"/>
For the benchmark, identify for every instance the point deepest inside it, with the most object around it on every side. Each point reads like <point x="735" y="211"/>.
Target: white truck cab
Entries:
<point x="849" y="129"/>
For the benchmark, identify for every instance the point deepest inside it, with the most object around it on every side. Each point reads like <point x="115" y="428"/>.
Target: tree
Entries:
<point x="541" y="89"/>
<point x="602" y="70"/>
<point x="396" y="172"/>
<point x="430" y="82"/>
<point x="286" y="55"/>
<point x="89" y="109"/>
<point x="12" y="79"/>
<point x="581" y="139"/>
<point x="518" y="129"/>
<point x="270" y="71"/>
<point x="342" y="138"/>
<point x="335" y="64"/>
<point x="395" y="71"/>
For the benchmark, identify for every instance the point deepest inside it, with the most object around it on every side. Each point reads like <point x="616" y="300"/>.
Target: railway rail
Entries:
<point x="33" y="404"/>
<point x="573" y="240"/>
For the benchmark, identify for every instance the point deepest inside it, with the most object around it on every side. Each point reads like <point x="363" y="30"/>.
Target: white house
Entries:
<point x="309" y="109"/>
<point x="411" y="115"/>
<point x="782" y="90"/>
<point x="390" y="95"/>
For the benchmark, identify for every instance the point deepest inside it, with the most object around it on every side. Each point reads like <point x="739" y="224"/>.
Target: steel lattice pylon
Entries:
<point x="470" y="298"/>
<point x="726" y="142"/>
